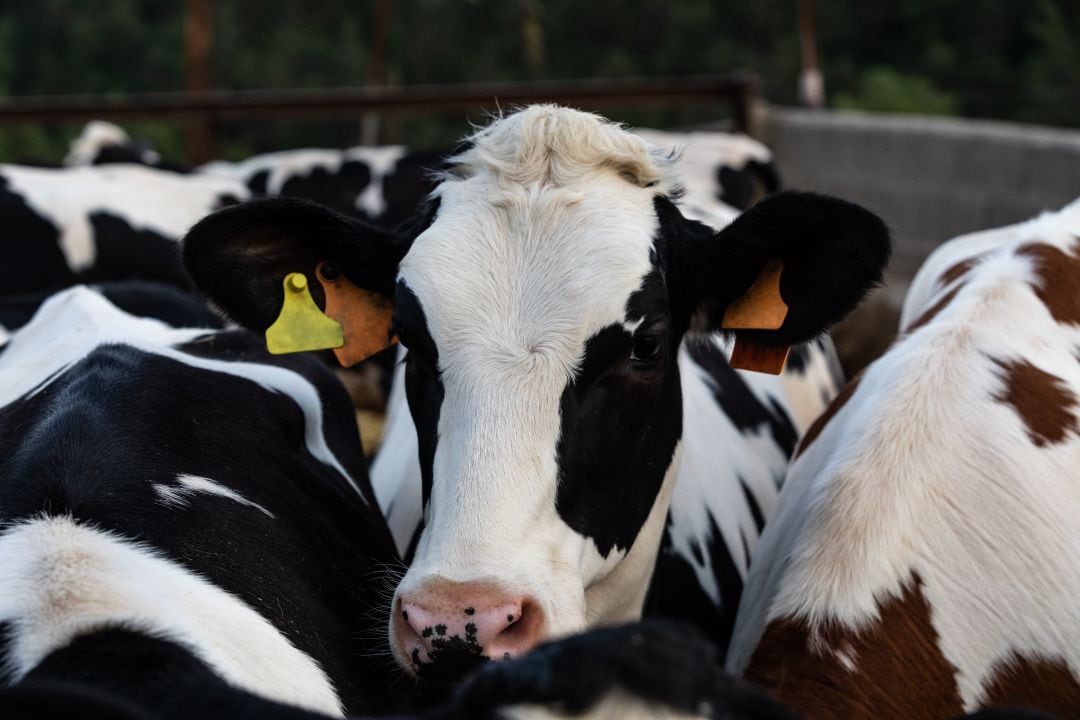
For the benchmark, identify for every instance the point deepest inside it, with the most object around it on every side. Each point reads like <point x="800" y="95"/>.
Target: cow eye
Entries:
<point x="646" y="348"/>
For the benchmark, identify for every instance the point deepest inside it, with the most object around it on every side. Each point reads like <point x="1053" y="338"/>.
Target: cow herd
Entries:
<point x="587" y="503"/>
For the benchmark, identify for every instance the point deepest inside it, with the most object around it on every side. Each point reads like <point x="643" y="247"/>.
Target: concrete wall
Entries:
<point x="929" y="178"/>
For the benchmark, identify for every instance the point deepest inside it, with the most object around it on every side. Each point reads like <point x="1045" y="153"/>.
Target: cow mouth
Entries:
<point x="450" y="658"/>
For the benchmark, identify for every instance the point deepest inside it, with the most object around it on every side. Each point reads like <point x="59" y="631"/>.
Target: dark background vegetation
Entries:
<point x="1007" y="59"/>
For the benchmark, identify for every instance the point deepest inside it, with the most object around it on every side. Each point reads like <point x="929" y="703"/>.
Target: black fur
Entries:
<point x="660" y="664"/>
<point x="169" y="304"/>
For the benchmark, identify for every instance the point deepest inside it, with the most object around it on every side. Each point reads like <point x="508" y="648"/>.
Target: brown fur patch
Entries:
<point x="958" y="270"/>
<point x="1040" y="683"/>
<point x="1043" y="401"/>
<point x="894" y="667"/>
<point x="931" y="312"/>
<point x="823" y="419"/>
<point x="1059" y="279"/>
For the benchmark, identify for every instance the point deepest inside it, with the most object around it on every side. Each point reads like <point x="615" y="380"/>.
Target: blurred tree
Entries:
<point x="980" y="58"/>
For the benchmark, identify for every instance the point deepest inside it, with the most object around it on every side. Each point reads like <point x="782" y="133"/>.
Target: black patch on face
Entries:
<point x="736" y="399"/>
<point x="675" y="591"/>
<point x="423" y="384"/>
<point x="335" y="189"/>
<point x="621" y="420"/>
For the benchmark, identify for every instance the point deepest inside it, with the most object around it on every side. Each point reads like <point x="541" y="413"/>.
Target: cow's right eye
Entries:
<point x="646" y="348"/>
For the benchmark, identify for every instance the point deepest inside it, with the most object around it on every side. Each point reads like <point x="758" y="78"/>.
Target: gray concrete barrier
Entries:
<point x="929" y="178"/>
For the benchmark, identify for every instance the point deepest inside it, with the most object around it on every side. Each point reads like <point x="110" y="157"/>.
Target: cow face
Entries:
<point x="543" y="297"/>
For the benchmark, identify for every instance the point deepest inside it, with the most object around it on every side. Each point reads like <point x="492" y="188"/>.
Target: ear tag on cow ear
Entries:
<point x="301" y="325"/>
<point x="365" y="316"/>
<point x="760" y="308"/>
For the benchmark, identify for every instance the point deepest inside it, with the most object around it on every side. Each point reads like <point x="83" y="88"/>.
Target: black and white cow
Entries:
<point x="91" y="224"/>
<point x="554" y="301"/>
<point x="177" y="506"/>
<point x="731" y="168"/>
<point x="104" y="143"/>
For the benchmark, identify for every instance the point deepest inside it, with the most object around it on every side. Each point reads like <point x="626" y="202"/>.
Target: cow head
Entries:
<point x="542" y="297"/>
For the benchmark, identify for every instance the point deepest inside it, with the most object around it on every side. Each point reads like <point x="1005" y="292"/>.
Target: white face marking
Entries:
<point x="187" y="486"/>
<point x="147" y="199"/>
<point x="60" y="580"/>
<point x="38" y="352"/>
<point x="924" y="471"/>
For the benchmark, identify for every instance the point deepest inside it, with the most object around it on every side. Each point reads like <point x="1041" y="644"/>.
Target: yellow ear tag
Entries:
<point x="301" y="325"/>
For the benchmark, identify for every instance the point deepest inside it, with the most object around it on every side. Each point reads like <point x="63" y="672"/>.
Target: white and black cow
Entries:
<point x="104" y="143"/>
<point x="177" y="506"/>
<point x="544" y="297"/>
<point x="731" y="168"/>
<point x="91" y="224"/>
<point x="924" y="559"/>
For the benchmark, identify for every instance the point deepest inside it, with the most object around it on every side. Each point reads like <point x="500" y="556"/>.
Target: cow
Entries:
<point x="93" y="224"/>
<point x="102" y="143"/>
<point x="730" y="168"/>
<point x="924" y="557"/>
<point x="544" y="296"/>
<point x="179" y="508"/>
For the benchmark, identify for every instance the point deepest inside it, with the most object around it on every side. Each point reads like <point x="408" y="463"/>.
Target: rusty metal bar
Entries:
<point x="198" y="40"/>
<point x="217" y="105"/>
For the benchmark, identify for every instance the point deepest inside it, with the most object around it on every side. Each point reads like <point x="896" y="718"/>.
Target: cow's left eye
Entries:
<point x="646" y="348"/>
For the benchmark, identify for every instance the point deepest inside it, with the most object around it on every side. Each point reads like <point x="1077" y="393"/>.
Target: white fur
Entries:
<point x="40" y="350"/>
<point x="60" y="579"/>
<point x="187" y="486"/>
<point x="147" y="199"/>
<point x="924" y="471"/>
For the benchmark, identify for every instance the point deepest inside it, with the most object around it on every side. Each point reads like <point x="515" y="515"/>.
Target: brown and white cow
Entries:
<point x="924" y="559"/>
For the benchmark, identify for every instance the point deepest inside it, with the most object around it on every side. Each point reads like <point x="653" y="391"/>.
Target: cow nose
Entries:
<point x="449" y="624"/>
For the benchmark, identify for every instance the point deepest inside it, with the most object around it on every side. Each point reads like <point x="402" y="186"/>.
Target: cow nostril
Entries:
<point x="521" y="633"/>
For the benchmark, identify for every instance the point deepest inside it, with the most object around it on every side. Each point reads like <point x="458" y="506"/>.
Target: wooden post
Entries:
<point x="811" y="81"/>
<point x="198" y="40"/>
<point x="376" y="70"/>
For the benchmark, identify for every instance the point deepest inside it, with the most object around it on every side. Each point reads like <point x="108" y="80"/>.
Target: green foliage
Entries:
<point x="981" y="58"/>
<point x="885" y="90"/>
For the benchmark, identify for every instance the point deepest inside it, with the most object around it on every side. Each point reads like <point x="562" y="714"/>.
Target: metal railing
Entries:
<point x="208" y="107"/>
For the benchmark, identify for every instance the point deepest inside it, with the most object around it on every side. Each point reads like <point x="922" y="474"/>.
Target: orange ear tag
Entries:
<point x="760" y="308"/>
<point x="364" y="316"/>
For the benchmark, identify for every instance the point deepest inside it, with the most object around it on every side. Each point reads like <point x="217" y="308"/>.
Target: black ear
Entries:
<point x="833" y="252"/>
<point x="239" y="256"/>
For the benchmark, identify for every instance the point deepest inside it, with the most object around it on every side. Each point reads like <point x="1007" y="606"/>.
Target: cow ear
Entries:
<point x="783" y="272"/>
<point x="240" y="257"/>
